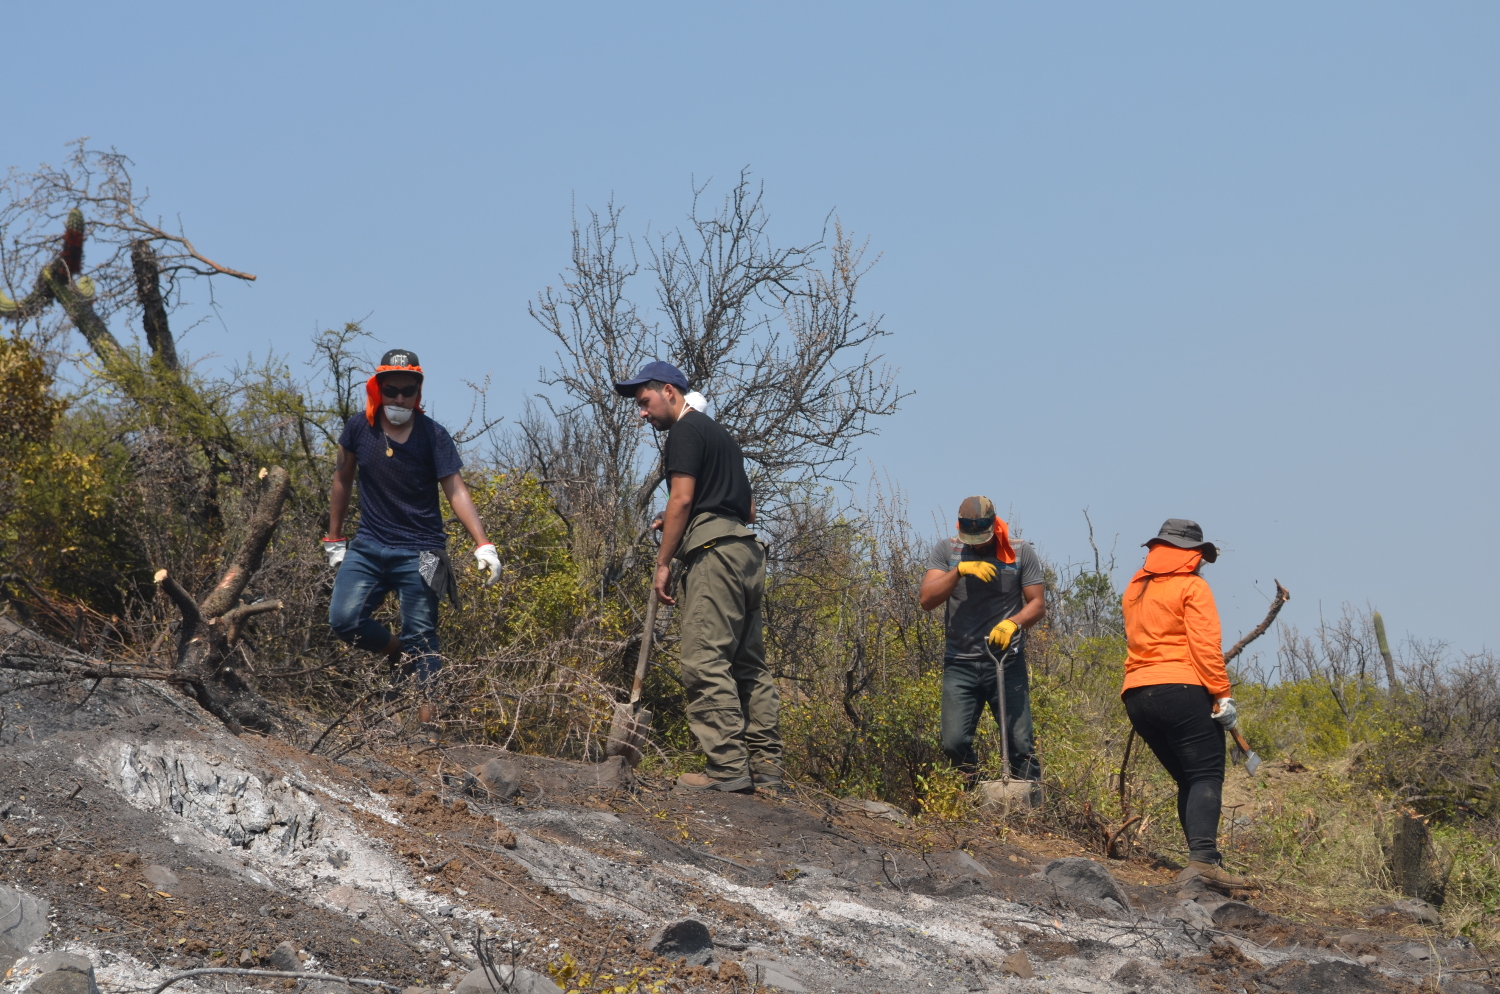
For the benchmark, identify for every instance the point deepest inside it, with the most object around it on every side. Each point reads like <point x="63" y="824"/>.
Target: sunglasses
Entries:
<point x="410" y="391"/>
<point x="975" y="525"/>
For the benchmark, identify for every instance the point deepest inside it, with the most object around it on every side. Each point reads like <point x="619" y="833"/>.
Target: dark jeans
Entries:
<point x="968" y="685"/>
<point x="368" y="573"/>
<point x="1176" y="721"/>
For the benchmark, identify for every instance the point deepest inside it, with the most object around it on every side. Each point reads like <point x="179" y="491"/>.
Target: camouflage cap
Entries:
<point x="976" y="520"/>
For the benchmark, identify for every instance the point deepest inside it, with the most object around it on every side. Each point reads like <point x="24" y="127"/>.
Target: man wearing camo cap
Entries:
<point x="992" y="591"/>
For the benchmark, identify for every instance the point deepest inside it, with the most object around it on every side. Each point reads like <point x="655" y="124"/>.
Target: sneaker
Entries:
<point x="702" y="781"/>
<point x="1214" y="875"/>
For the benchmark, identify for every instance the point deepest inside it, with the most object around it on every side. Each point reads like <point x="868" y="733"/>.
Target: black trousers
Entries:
<point x="1176" y="721"/>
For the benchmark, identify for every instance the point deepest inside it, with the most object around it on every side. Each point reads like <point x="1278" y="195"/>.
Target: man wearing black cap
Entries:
<point x="733" y="704"/>
<point x="402" y="457"/>
<point x="992" y="591"/>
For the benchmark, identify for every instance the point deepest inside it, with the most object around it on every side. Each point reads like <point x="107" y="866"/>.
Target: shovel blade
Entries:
<point x="627" y="733"/>
<point x="1005" y="796"/>
<point x="1252" y="763"/>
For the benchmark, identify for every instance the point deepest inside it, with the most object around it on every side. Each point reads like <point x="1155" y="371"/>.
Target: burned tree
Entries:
<point x="92" y="197"/>
<point x="211" y="629"/>
<point x="773" y="335"/>
<point x="770" y="333"/>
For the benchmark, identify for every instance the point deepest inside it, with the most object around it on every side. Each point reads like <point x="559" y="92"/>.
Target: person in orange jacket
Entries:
<point x="1177" y="691"/>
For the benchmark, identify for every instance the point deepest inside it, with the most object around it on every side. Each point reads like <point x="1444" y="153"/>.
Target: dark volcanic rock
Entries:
<point x="1238" y="914"/>
<point x="688" y="938"/>
<point x="65" y="973"/>
<point x="284" y="957"/>
<point x="1085" y="880"/>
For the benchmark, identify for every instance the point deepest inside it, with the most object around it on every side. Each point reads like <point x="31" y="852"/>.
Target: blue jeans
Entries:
<point x="969" y="685"/>
<point x="368" y="573"/>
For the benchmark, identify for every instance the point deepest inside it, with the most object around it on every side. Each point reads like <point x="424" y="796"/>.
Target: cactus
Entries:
<point x="67" y="268"/>
<point x="71" y="259"/>
<point x="62" y="280"/>
<point x="1385" y="650"/>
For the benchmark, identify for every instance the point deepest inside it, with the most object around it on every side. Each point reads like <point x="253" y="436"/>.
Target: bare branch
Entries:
<point x="1282" y="596"/>
<point x="278" y="485"/>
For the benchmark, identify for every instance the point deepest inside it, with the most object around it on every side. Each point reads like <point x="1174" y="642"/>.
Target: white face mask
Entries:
<point x="397" y="415"/>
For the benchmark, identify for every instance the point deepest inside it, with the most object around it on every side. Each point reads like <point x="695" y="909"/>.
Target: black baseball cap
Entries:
<point x="658" y="370"/>
<point x="400" y="361"/>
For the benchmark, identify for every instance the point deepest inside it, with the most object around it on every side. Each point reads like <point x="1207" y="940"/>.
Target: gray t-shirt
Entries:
<point x="975" y="608"/>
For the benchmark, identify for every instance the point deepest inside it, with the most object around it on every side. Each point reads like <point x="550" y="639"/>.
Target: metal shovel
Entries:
<point x="1241" y="747"/>
<point x="627" y="731"/>
<point x="1005" y="793"/>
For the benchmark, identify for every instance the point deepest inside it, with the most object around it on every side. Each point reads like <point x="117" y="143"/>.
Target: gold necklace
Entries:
<point x="388" y="450"/>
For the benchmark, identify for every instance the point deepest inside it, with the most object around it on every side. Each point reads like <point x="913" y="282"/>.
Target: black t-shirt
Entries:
<point x="398" y="494"/>
<point x="700" y="447"/>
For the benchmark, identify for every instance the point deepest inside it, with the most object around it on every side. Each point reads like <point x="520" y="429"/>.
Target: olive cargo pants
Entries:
<point x="733" y="704"/>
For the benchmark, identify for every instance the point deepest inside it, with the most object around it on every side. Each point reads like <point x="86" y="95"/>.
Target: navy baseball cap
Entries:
<point x="663" y="371"/>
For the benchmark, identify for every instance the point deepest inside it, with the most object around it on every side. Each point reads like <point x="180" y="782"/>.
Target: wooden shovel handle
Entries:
<point x="646" y="636"/>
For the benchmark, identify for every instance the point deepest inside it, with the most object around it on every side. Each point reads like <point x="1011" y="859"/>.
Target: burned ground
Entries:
<point x="162" y="844"/>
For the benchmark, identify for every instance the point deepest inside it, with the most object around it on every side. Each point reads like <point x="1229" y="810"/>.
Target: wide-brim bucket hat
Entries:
<point x="1184" y="534"/>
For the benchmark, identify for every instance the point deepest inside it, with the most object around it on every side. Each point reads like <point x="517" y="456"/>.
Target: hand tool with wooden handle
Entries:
<point x="1252" y="760"/>
<point x="627" y="732"/>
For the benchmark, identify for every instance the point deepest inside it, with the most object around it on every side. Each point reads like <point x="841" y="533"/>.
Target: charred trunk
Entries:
<point x="153" y="308"/>
<point x="211" y="630"/>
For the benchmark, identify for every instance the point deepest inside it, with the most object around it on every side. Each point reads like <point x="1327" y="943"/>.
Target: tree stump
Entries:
<point x="1412" y="861"/>
<point x="211" y="630"/>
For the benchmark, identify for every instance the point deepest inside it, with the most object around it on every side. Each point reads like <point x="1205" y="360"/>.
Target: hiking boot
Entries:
<point x="702" y="781"/>
<point x="1214" y="875"/>
<point x="770" y="782"/>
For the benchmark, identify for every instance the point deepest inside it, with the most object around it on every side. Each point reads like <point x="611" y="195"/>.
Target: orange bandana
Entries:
<point x="372" y="390"/>
<point x="1003" y="551"/>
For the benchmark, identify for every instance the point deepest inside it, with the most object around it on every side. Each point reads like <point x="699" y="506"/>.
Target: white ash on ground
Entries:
<point x="393" y="867"/>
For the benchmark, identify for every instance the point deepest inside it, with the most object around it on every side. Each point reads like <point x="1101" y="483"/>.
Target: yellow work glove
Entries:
<point x="1002" y="633"/>
<point x="982" y="571"/>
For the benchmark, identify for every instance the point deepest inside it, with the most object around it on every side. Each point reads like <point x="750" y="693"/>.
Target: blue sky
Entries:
<point x="1230" y="262"/>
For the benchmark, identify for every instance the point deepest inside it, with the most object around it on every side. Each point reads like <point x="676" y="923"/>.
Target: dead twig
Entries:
<point x="400" y="929"/>
<point x="1118" y="834"/>
<point x="499" y="879"/>
<point x="290" y="975"/>
<point x="340" y="720"/>
<point x="156" y="232"/>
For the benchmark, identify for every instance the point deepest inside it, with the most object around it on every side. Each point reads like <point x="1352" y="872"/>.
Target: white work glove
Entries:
<point x="334" y="549"/>
<point x="487" y="559"/>
<point x="1226" y="715"/>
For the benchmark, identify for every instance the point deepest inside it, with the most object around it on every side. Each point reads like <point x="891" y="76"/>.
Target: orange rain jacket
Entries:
<point x="1172" y="625"/>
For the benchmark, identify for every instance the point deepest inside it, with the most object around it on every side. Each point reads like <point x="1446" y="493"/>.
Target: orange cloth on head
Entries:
<point x="372" y="389"/>
<point x="1003" y="550"/>
<point x="1172" y="625"/>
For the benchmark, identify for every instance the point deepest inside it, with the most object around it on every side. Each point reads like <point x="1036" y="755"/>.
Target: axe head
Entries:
<point x="1252" y="763"/>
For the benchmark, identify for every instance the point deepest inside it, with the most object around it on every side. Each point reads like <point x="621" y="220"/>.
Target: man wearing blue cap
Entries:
<point x="733" y="704"/>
